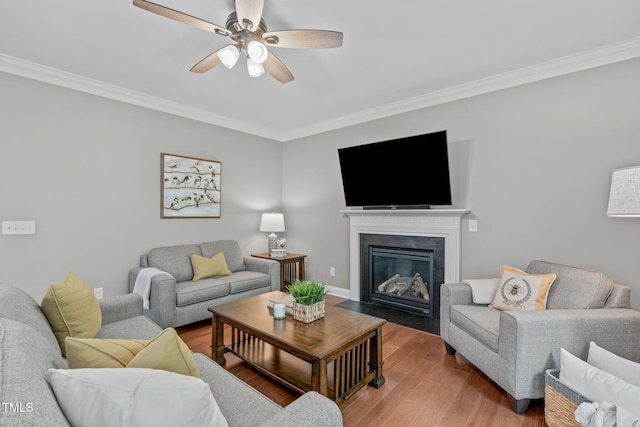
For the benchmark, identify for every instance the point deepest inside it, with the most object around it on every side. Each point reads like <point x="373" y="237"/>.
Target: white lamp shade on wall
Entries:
<point x="624" y="198"/>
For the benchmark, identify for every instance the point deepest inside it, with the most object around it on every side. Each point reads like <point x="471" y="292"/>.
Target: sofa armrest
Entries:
<point x="309" y="410"/>
<point x="267" y="266"/>
<point x="162" y="297"/>
<point x="120" y="307"/>
<point x="530" y="341"/>
<point x="452" y="294"/>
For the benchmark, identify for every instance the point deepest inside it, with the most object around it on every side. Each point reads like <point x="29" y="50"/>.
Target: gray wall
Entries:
<point x="87" y="170"/>
<point x="533" y="164"/>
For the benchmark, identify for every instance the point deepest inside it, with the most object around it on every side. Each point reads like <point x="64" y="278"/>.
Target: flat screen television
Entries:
<point x="409" y="172"/>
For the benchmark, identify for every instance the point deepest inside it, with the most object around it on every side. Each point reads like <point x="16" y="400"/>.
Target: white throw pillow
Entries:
<point x="609" y="362"/>
<point x="116" y="397"/>
<point x="598" y="385"/>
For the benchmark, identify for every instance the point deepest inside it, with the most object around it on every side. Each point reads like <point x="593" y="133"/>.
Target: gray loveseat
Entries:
<point x="28" y="349"/>
<point x="176" y="300"/>
<point x="514" y="348"/>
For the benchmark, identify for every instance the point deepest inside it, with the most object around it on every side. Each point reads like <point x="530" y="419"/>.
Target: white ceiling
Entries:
<point x="397" y="56"/>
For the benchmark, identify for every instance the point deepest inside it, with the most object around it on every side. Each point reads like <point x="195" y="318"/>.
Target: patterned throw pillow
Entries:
<point x="518" y="290"/>
<point x="166" y="351"/>
<point x="101" y="353"/>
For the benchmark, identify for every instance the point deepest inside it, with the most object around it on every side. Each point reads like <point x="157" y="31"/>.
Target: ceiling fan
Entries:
<point x="248" y="31"/>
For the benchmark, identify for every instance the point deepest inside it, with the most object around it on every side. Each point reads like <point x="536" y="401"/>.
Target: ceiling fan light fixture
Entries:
<point x="229" y="56"/>
<point x="255" y="69"/>
<point x="257" y="52"/>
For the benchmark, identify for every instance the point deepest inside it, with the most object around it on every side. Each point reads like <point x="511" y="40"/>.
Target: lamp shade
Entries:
<point x="272" y="222"/>
<point x="624" y="198"/>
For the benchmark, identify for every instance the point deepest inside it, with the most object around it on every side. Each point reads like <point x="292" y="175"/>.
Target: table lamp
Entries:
<point x="272" y="223"/>
<point x="624" y="197"/>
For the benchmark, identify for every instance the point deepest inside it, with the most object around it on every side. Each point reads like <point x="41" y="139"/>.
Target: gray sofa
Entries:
<point x="514" y="348"/>
<point x="176" y="300"/>
<point x="28" y="349"/>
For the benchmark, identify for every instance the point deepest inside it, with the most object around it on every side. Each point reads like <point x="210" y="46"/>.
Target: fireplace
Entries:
<point x="400" y="271"/>
<point x="430" y="235"/>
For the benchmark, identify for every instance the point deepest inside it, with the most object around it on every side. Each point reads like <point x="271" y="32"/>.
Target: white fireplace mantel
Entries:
<point x="445" y="223"/>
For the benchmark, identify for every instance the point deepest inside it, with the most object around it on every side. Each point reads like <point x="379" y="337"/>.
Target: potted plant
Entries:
<point x="308" y="299"/>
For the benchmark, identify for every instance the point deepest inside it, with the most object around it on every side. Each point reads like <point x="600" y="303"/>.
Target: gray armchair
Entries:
<point x="514" y="348"/>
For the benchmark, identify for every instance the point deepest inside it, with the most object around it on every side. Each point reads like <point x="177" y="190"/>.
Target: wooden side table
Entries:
<point x="291" y="267"/>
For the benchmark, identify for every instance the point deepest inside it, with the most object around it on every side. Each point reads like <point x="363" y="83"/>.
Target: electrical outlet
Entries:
<point x="98" y="292"/>
<point x="473" y="225"/>
<point x="332" y="271"/>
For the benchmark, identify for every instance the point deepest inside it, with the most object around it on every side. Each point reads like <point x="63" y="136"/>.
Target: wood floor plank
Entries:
<point x="425" y="386"/>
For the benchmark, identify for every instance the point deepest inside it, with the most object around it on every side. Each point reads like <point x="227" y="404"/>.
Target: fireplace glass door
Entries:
<point x="402" y="277"/>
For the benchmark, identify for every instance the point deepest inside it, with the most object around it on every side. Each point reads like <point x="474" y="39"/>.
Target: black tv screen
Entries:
<point x="405" y="172"/>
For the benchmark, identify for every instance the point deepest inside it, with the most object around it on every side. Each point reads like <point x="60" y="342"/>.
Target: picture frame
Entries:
<point x="189" y="187"/>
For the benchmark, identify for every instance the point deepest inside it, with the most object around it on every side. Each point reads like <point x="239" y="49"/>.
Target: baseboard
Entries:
<point x="339" y="292"/>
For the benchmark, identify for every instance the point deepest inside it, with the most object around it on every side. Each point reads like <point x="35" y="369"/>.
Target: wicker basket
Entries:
<point x="308" y="313"/>
<point x="560" y="402"/>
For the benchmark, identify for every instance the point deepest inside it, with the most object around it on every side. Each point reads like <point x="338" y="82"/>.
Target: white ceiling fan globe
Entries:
<point x="257" y="51"/>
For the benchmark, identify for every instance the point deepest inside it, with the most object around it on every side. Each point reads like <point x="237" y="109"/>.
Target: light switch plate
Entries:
<point x="18" y="227"/>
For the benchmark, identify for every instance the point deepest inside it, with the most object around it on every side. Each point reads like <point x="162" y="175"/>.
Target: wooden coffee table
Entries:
<point x="335" y="356"/>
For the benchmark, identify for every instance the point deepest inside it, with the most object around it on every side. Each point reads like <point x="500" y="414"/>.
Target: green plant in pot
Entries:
<point x="308" y="297"/>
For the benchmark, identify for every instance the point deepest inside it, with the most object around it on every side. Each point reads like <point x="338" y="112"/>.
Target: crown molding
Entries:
<point x="617" y="52"/>
<point x="54" y="76"/>
<point x="628" y="49"/>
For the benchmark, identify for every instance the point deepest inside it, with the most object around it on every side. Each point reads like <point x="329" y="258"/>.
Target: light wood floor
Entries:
<point x="424" y="386"/>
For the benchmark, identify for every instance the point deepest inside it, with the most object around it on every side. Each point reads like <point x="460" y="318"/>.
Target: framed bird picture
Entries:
<point x="190" y="187"/>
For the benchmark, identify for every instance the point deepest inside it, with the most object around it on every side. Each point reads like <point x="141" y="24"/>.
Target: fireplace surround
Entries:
<point x="403" y="226"/>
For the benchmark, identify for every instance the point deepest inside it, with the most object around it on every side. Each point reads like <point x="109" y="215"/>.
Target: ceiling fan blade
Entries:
<point x="303" y="39"/>
<point x="277" y="69"/>
<point x="207" y="63"/>
<point x="249" y="13"/>
<point x="180" y="17"/>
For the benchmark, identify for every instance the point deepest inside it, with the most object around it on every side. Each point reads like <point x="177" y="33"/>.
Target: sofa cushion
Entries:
<point x="175" y="260"/>
<point x="135" y="397"/>
<point x="574" y="287"/>
<point x="232" y="253"/>
<point x="247" y="280"/>
<point x="204" y="267"/>
<point x="20" y="306"/>
<point x="190" y="292"/>
<point x="72" y="310"/>
<point x="481" y="322"/>
<point x="26" y="357"/>
<point x="99" y="353"/>
<point x="518" y="290"/>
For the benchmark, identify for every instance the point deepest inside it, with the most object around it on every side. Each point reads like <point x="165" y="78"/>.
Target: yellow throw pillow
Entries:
<point x="518" y="290"/>
<point x="72" y="310"/>
<point x="204" y="267"/>
<point x="101" y="353"/>
<point x="166" y="351"/>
